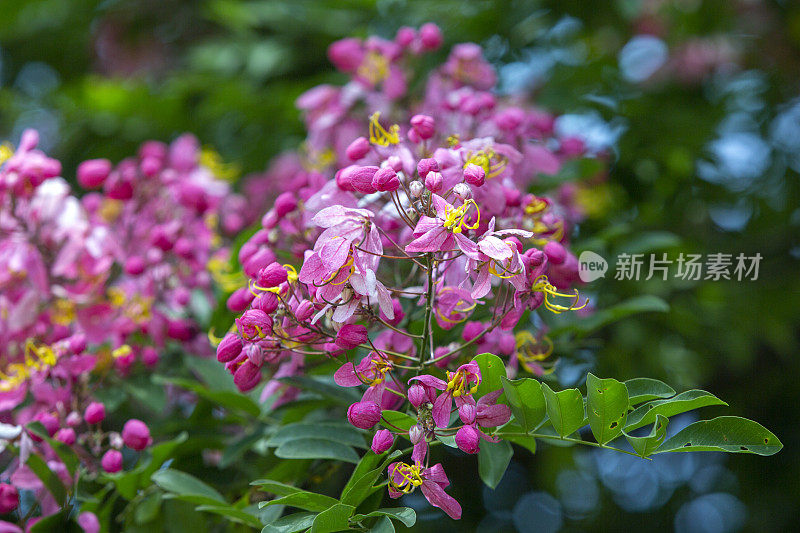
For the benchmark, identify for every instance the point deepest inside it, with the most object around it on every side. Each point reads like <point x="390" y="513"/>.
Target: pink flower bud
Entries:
<point x="399" y="314"/>
<point x="304" y="311"/>
<point x="272" y="275"/>
<point x="386" y="180"/>
<point x="361" y="179"/>
<point x="467" y="413"/>
<point x="247" y="376"/>
<point x="285" y="203"/>
<point x="434" y="181"/>
<point x="332" y="349"/>
<point x="395" y="163"/>
<point x="509" y="119"/>
<point x="417" y="395"/>
<point x="266" y="302"/>
<point x="66" y="435"/>
<point x="257" y="261"/>
<point x="112" y="461"/>
<point x="556" y="253"/>
<point x="462" y="190"/>
<point x="424" y="125"/>
<point x="472" y="330"/>
<point x="468" y="440"/>
<point x="229" y="348"/>
<point x="50" y="423"/>
<point x="89" y="522"/>
<point x="92" y="173"/>
<point x="135" y="435"/>
<point x="95" y="413"/>
<point x="382" y="441"/>
<point x="240" y="299"/>
<point x="427" y="165"/>
<point x="474" y="175"/>
<point x="344" y="178"/>
<point x="415" y="433"/>
<point x="351" y="335"/>
<point x="73" y="419"/>
<point x="430" y="36"/>
<point x="405" y="36"/>
<point x="357" y="149"/>
<point x="416" y="188"/>
<point x="150" y="356"/>
<point x="572" y="146"/>
<point x="346" y="54"/>
<point x="180" y="329"/>
<point x="9" y="498"/>
<point x="364" y="415"/>
<point x="254" y="324"/>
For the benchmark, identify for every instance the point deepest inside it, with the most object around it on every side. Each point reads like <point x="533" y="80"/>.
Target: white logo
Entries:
<point x="591" y="266"/>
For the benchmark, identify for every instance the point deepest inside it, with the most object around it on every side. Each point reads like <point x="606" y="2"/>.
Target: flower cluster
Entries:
<point x="96" y="282"/>
<point x="403" y="241"/>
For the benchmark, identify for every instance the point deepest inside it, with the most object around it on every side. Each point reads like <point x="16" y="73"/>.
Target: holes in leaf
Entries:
<point x="613" y="425"/>
<point x="766" y="441"/>
<point x="744" y="448"/>
<point x="687" y="444"/>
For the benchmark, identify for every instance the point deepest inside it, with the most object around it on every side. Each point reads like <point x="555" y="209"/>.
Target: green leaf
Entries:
<point x="646" y="445"/>
<point x="302" y="499"/>
<point x="395" y="420"/>
<point x="56" y="522"/>
<point x="723" y="434"/>
<point x="233" y="400"/>
<point x="182" y="483"/>
<point x="383" y="525"/>
<point x="607" y="407"/>
<point x="333" y="431"/>
<point x="290" y="523"/>
<point x="526" y="441"/>
<point x="565" y="409"/>
<point x="275" y="487"/>
<point x="526" y="400"/>
<point x="232" y="513"/>
<point x="492" y="369"/>
<point x="333" y="519"/>
<point x="493" y="459"/>
<point x="342" y="395"/>
<point x="685" y="401"/>
<point x="406" y="515"/>
<point x="316" y="449"/>
<point x="360" y="484"/>
<point x="646" y="389"/>
<point x="148" y="508"/>
<point x="49" y="479"/>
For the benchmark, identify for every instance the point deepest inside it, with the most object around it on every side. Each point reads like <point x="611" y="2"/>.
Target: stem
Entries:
<point x="427" y="333"/>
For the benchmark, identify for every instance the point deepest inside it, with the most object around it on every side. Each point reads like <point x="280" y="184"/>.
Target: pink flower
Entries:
<point x="9" y="498"/>
<point x="350" y="336"/>
<point x="404" y="478"/>
<point x="445" y="232"/>
<point x="95" y="413"/>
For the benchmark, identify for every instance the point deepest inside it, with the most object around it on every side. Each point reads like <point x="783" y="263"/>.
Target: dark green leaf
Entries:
<point x="565" y="409"/>
<point x="232" y="513"/>
<point x="308" y="501"/>
<point x="290" y="523"/>
<point x="646" y="389"/>
<point x="607" y="407"/>
<point x="383" y="525"/>
<point x="64" y="452"/>
<point x="406" y="515"/>
<point x="723" y="434"/>
<point x="49" y="479"/>
<point x="646" y="445"/>
<point x="316" y="449"/>
<point x="334" y="431"/>
<point x="342" y="395"/>
<point x="360" y="485"/>
<point x="335" y="518"/>
<point x="493" y="459"/>
<point x="685" y="401"/>
<point x="395" y="420"/>
<point x="526" y="400"/>
<point x="182" y="483"/>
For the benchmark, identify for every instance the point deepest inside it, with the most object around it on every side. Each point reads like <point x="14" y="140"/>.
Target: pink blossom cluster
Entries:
<point x="98" y="281"/>
<point x="404" y="242"/>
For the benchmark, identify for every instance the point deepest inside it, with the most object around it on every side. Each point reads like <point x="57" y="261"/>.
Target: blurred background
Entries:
<point x="698" y="101"/>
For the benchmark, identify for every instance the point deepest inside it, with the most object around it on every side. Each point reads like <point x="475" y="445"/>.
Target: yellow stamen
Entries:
<point x="374" y="68"/>
<point x="211" y="159"/>
<point x="6" y="152"/>
<point x="542" y="284"/>
<point x="454" y="218"/>
<point x="122" y="351"/>
<point x="412" y="477"/>
<point x="483" y="158"/>
<point x="458" y="381"/>
<point x="63" y="312"/>
<point x="378" y="135"/>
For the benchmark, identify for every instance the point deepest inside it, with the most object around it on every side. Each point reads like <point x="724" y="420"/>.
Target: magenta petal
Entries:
<point x="493" y="415"/>
<point x="420" y="451"/>
<point x="483" y="283"/>
<point x="469" y="248"/>
<point x="430" y="381"/>
<point x="441" y="410"/>
<point x="430" y="241"/>
<point x="346" y="376"/>
<point x="437" y="475"/>
<point x="439" y="498"/>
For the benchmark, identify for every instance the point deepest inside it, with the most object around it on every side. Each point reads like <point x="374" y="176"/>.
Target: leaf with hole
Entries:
<point x="723" y="434"/>
<point x="492" y="369"/>
<point x="606" y="407"/>
<point x="565" y="409"/>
